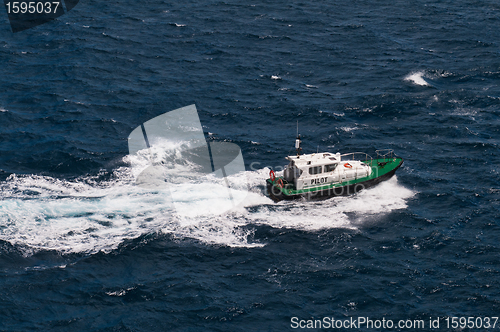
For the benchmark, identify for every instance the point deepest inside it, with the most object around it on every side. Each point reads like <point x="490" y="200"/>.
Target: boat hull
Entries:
<point x="277" y="194"/>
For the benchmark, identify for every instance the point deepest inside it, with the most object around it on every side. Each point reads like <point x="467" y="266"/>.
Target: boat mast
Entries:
<point x="298" y="141"/>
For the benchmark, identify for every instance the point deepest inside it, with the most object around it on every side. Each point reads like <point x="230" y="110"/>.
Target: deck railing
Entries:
<point x="361" y="156"/>
<point x="385" y="154"/>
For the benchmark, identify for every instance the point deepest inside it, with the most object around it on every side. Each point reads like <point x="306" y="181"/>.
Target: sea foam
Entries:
<point x="417" y="78"/>
<point x="43" y="213"/>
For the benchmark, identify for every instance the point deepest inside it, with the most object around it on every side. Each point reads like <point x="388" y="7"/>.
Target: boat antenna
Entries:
<point x="298" y="141"/>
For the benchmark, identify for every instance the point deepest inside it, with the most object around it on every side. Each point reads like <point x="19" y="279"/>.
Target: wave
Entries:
<point x="417" y="78"/>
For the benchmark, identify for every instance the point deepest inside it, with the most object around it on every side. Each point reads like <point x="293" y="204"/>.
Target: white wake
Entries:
<point x="84" y="216"/>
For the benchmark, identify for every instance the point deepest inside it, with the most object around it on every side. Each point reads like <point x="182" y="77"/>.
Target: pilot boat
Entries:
<point x="322" y="175"/>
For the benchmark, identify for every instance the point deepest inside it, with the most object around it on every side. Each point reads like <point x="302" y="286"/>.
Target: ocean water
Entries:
<point x="83" y="248"/>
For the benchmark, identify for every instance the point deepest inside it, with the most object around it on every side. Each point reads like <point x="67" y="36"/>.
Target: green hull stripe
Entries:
<point x="377" y="171"/>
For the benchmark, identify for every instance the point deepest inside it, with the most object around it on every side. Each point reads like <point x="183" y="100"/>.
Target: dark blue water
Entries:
<point x="82" y="249"/>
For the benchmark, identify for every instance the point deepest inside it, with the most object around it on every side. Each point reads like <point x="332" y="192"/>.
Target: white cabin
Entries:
<point x="319" y="169"/>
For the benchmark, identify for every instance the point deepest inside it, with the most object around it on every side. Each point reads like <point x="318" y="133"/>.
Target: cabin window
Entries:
<point x="330" y="168"/>
<point x="315" y="170"/>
